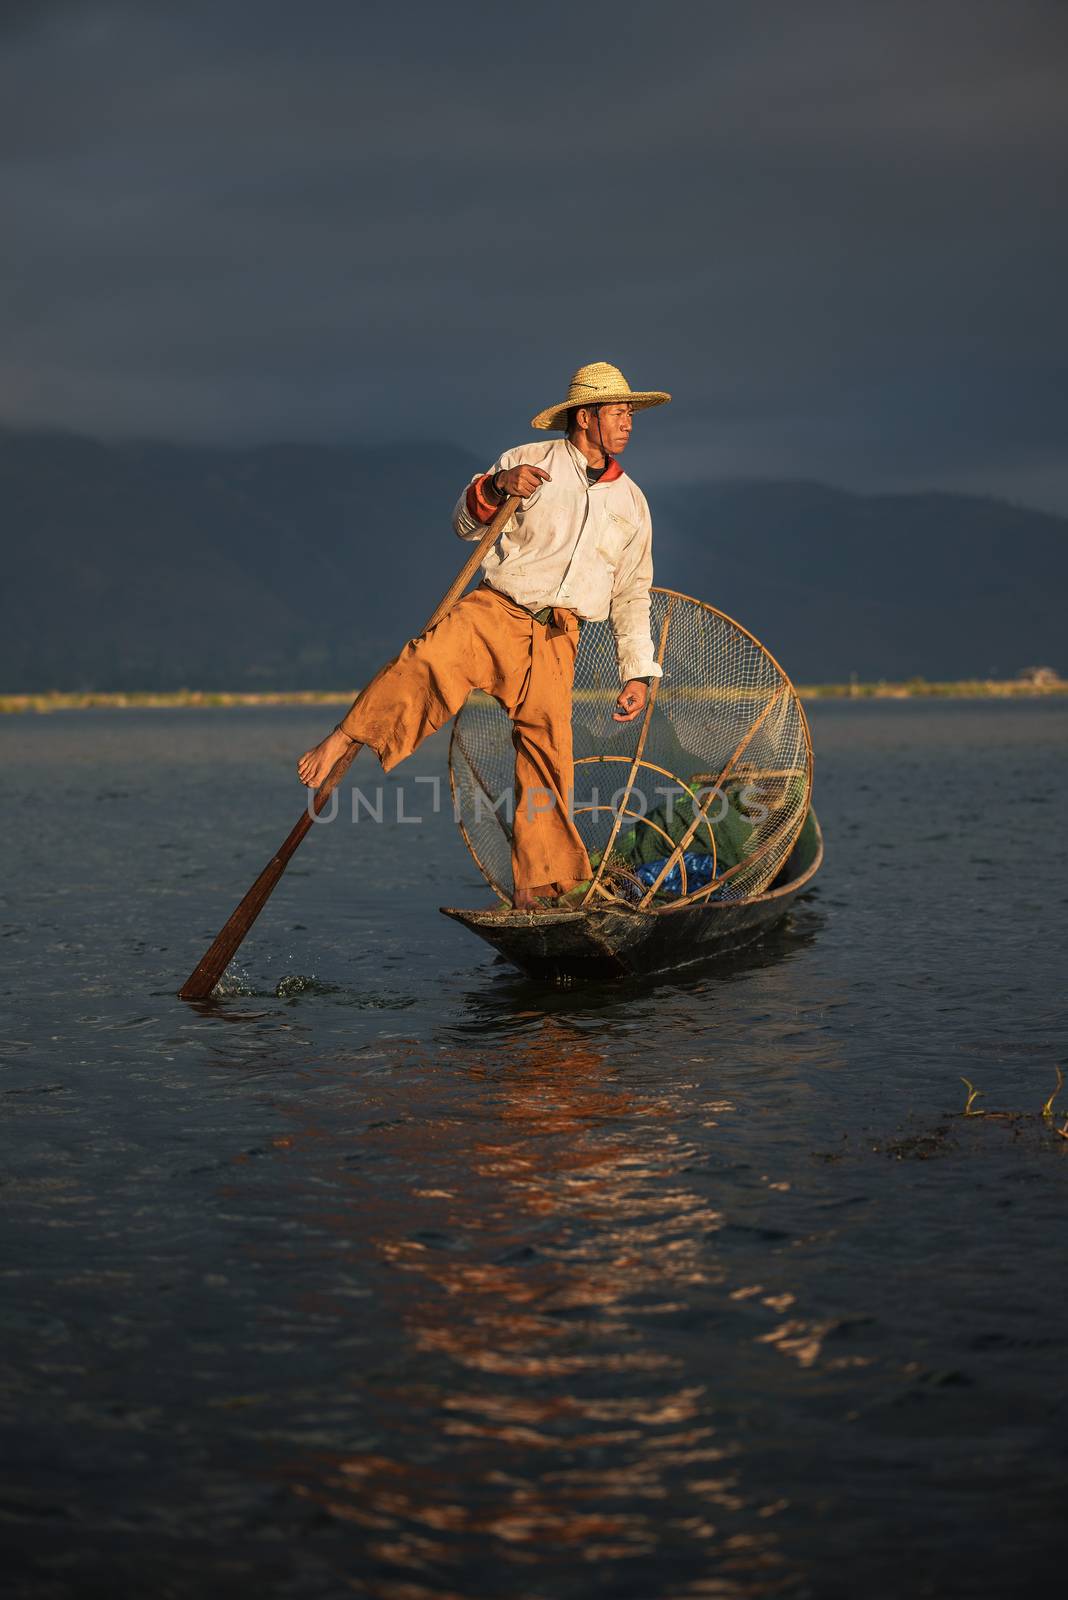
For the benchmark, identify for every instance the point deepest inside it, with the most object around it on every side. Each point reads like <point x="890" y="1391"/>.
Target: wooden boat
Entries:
<point x="611" y="942"/>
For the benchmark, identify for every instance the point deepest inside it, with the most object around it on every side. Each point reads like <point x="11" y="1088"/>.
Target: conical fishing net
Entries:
<point x="701" y="797"/>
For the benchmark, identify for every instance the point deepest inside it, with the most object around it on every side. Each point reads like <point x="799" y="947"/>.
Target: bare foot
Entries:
<point x="314" y="764"/>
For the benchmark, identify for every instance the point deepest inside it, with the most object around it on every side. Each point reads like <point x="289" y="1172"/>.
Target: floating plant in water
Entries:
<point x="1047" y="1109"/>
<point x="973" y="1095"/>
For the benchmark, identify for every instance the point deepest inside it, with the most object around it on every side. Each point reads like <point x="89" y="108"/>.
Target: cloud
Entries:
<point x="833" y="232"/>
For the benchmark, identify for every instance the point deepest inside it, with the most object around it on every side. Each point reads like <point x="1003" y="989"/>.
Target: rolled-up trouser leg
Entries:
<point x="421" y="688"/>
<point x="489" y="642"/>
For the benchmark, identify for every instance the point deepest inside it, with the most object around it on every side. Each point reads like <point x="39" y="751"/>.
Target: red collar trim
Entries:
<point x="611" y="472"/>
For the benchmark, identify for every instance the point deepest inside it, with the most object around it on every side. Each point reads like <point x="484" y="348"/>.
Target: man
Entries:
<point x="579" y="547"/>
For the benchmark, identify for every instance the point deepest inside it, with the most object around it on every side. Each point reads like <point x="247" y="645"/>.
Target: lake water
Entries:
<point x="393" y="1274"/>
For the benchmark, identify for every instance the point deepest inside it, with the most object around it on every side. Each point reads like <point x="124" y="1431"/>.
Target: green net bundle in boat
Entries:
<point x="701" y="797"/>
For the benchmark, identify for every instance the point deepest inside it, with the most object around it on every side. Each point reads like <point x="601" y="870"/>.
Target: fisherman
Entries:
<point x="578" y="548"/>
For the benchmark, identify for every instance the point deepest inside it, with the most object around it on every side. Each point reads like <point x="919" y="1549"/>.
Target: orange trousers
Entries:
<point x="488" y="642"/>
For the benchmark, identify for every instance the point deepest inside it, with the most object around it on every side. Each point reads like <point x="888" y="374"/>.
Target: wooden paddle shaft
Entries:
<point x="215" y="960"/>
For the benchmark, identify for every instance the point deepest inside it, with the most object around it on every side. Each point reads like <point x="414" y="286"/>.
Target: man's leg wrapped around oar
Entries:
<point x="489" y="642"/>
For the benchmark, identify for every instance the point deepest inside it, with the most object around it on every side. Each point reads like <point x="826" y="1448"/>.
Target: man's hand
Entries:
<point x="314" y="764"/>
<point x="632" y="698"/>
<point x="520" y="480"/>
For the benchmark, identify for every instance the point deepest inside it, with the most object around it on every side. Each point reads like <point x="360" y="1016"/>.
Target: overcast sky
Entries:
<point x="837" y="233"/>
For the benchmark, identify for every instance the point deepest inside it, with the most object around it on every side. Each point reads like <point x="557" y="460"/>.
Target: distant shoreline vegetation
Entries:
<point x="177" y="699"/>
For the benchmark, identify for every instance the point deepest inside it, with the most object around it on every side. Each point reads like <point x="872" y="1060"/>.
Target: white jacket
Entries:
<point x="576" y="544"/>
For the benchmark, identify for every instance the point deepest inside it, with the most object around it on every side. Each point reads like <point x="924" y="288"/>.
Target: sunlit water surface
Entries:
<point x="394" y="1274"/>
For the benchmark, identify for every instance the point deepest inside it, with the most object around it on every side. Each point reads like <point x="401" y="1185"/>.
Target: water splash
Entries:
<point x="295" y="983"/>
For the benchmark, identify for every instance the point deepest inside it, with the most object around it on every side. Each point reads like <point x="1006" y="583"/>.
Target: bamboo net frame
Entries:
<point x="702" y="811"/>
<point x="724" y="715"/>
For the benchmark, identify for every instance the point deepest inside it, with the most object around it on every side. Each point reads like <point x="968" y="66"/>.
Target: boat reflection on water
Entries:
<point x="547" y="1297"/>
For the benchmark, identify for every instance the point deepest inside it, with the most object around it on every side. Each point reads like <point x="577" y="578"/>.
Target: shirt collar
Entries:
<point x="610" y="473"/>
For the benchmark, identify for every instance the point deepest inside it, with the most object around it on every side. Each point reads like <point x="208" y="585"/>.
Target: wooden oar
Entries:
<point x="215" y="960"/>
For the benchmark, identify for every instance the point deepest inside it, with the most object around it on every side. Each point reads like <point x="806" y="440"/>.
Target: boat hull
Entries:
<point x="565" y="946"/>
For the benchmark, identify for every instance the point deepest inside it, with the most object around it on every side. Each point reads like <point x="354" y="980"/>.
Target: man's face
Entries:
<point x="616" y="422"/>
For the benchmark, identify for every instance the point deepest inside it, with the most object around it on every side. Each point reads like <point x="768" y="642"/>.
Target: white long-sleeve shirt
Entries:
<point x="576" y="544"/>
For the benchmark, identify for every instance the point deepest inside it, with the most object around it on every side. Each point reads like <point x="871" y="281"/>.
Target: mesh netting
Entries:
<point x="702" y="796"/>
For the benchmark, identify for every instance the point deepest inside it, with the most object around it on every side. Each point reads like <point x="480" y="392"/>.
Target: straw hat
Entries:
<point x="599" y="384"/>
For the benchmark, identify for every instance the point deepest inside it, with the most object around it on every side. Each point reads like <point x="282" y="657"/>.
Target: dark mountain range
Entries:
<point x="154" y="566"/>
<point x="943" y="586"/>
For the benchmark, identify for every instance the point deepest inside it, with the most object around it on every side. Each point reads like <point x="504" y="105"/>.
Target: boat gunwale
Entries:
<point x="509" y="917"/>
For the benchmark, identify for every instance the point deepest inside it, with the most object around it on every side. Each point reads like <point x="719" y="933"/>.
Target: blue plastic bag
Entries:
<point x="700" y="870"/>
